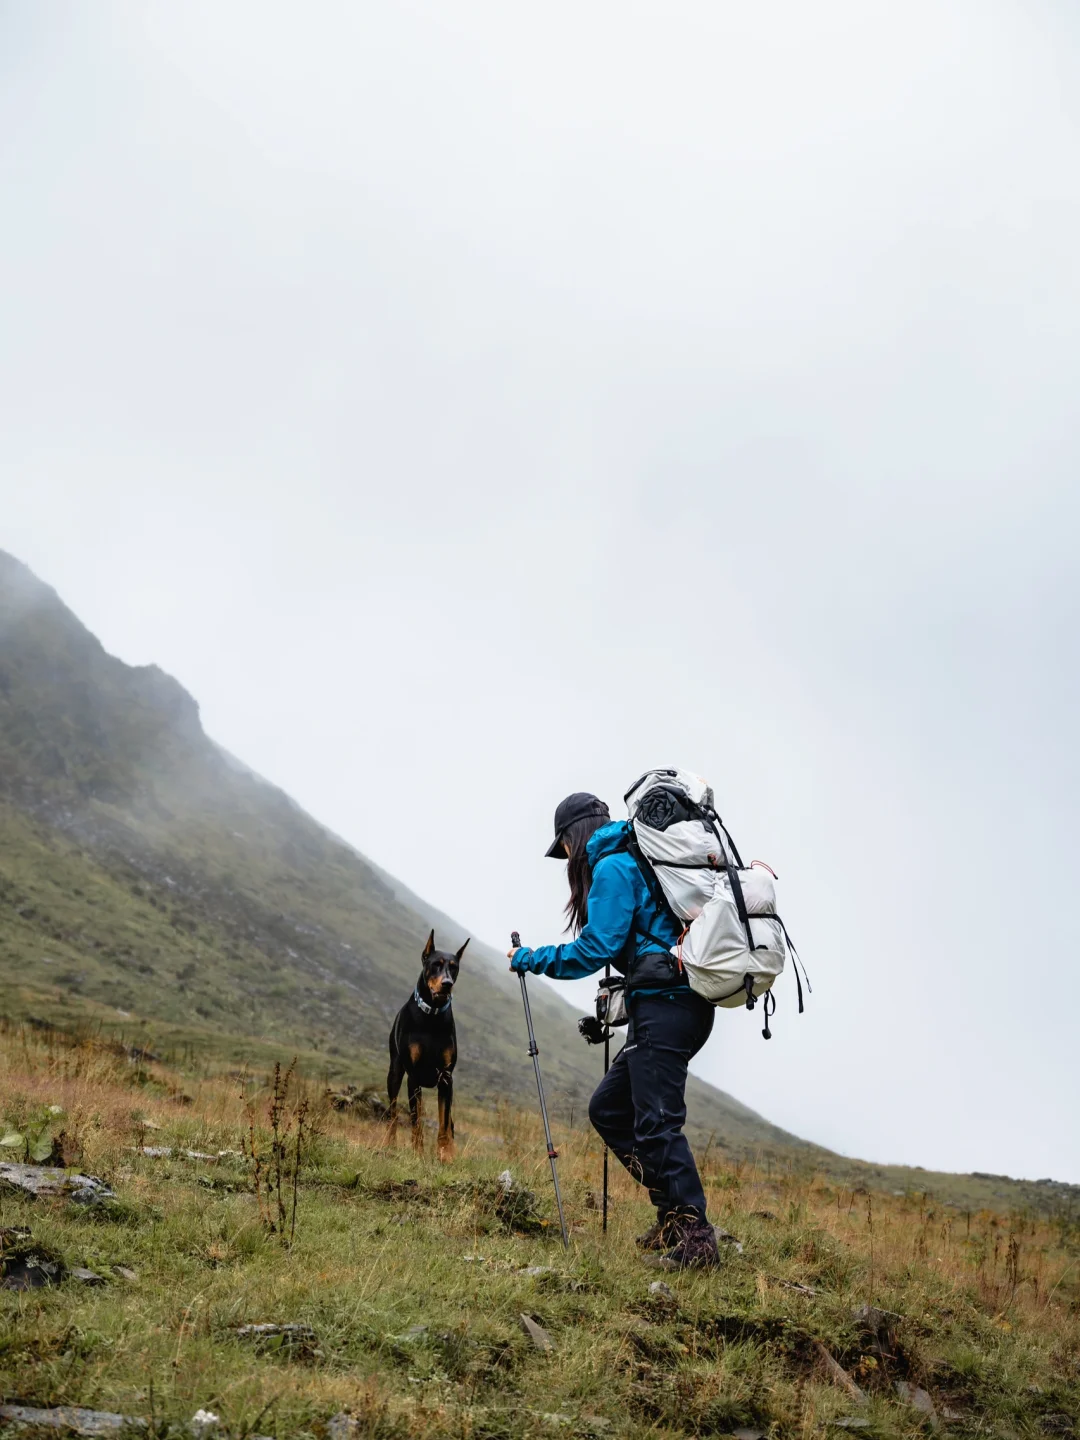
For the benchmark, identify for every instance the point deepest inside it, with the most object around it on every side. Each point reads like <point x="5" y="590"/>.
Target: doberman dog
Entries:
<point x="423" y="1046"/>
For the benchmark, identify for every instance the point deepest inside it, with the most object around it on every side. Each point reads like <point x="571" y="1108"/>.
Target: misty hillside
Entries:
<point x="148" y="878"/>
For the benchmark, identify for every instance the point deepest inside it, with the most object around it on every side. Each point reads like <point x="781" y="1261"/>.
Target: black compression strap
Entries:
<point x="796" y="962"/>
<point x="652" y="884"/>
<point x="740" y="904"/>
<point x="722" y="834"/>
<point x="648" y="935"/>
<point x="768" y="1009"/>
<point x="734" y="848"/>
<point x="690" y="865"/>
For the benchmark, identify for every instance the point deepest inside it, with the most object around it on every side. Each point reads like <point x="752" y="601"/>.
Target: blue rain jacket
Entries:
<point x="626" y="927"/>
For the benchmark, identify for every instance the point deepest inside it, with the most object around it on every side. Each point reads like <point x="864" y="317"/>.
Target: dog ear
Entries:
<point x="429" y="948"/>
<point x="461" y="951"/>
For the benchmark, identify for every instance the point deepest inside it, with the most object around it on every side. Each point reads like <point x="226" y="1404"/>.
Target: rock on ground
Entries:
<point x="536" y="1333"/>
<point x="48" y="1180"/>
<point x="262" y="1332"/>
<point x="71" y="1418"/>
<point x="918" y="1399"/>
<point x="800" y="1289"/>
<point x="28" y="1267"/>
<point x="166" y="1152"/>
<point x="367" y="1103"/>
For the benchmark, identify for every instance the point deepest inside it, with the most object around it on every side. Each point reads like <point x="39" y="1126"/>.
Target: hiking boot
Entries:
<point x="696" y="1247"/>
<point x="661" y="1236"/>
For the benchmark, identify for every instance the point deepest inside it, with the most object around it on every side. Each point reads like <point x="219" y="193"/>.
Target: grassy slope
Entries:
<point x="987" y="1309"/>
<point x="152" y="885"/>
<point x="144" y="871"/>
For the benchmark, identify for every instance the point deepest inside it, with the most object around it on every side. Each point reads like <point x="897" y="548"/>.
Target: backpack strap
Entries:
<point x="796" y="962"/>
<point x="652" y="884"/>
<point x="768" y="1010"/>
<point x="722" y="833"/>
<point x="720" y="830"/>
<point x="740" y="905"/>
<point x="648" y="874"/>
<point x="648" y="935"/>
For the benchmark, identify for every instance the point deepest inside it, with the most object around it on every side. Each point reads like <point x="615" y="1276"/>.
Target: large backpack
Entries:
<point x="733" y="944"/>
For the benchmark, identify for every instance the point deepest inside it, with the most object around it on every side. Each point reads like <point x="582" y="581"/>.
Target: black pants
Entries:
<point x="639" y="1108"/>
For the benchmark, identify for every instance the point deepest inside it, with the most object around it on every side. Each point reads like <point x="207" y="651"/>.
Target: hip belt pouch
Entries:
<point x="611" y="1003"/>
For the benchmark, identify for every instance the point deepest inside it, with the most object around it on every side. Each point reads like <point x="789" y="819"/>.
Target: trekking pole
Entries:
<point x="607" y="1062"/>
<point x="553" y="1154"/>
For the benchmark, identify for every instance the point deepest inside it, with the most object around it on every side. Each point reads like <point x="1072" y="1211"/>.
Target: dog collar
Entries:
<point x="426" y="1005"/>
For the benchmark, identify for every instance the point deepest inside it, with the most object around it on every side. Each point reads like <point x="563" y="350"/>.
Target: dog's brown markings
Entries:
<point x="415" y="1052"/>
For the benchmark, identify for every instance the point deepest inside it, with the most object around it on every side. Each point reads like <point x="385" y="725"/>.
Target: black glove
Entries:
<point x="591" y="1029"/>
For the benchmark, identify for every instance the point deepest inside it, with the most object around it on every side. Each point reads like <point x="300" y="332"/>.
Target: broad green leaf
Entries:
<point x="41" y="1149"/>
<point x="12" y="1138"/>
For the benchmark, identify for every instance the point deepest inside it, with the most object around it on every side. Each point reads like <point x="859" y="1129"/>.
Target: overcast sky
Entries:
<point x="471" y="403"/>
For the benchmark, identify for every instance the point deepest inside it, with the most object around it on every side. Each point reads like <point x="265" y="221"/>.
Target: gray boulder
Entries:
<point x="70" y="1418"/>
<point x="48" y="1181"/>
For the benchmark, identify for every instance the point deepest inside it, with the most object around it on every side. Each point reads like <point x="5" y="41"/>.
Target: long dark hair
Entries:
<point x="578" y="869"/>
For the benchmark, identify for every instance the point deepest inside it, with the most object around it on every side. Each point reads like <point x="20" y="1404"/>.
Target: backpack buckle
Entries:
<point x="748" y="986"/>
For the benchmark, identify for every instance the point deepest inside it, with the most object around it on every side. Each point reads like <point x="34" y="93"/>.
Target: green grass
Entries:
<point x="382" y="1246"/>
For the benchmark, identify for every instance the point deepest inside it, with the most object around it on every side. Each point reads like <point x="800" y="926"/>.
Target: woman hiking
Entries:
<point x="639" y="1108"/>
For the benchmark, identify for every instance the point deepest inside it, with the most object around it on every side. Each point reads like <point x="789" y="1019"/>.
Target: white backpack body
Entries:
<point x="734" y="944"/>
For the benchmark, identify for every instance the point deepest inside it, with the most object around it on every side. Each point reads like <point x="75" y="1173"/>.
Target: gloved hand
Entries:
<point x="519" y="960"/>
<point x="593" y="1030"/>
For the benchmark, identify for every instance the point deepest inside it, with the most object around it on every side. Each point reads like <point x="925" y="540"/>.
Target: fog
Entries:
<point x="471" y="403"/>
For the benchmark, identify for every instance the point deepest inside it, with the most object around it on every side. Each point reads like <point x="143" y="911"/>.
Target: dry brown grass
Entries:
<point x="987" y="1304"/>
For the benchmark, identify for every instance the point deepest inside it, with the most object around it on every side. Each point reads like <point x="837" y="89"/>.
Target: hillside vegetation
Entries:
<point x="414" y="1290"/>
<point x="148" y="877"/>
<point x="154" y="888"/>
<point x="188" y="962"/>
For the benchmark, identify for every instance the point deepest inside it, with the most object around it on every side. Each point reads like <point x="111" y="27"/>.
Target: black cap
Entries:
<point x="574" y="808"/>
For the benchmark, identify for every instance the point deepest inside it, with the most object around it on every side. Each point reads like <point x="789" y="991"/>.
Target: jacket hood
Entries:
<point x="607" y="840"/>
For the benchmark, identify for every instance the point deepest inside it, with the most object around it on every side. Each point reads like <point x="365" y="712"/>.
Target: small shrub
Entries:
<point x="276" y="1168"/>
<point x="31" y="1131"/>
